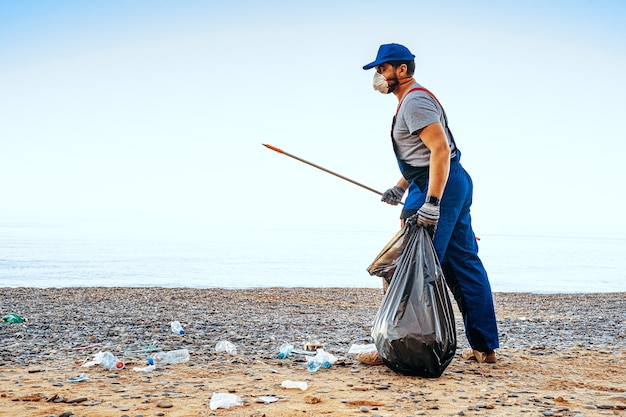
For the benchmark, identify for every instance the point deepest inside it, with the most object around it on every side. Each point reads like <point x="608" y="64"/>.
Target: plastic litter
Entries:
<point x="294" y="384"/>
<point x="322" y="359"/>
<point x="81" y="377"/>
<point x="148" y="368"/>
<point x="219" y="400"/>
<point x="107" y="359"/>
<point x="177" y="328"/>
<point x="362" y="348"/>
<point x="97" y="360"/>
<point x="265" y="399"/>
<point x="285" y="351"/>
<point x="13" y="318"/>
<point x="110" y="361"/>
<point x="226" y="346"/>
<point x="171" y="357"/>
<point x="313" y="345"/>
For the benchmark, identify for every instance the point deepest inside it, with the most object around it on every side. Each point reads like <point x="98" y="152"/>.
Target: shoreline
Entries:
<point x="563" y="354"/>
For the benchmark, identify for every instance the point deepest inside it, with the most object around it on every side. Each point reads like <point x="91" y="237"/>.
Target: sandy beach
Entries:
<point x="561" y="355"/>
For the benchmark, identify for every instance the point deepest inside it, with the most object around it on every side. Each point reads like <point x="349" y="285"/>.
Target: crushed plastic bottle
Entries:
<point x="285" y="351"/>
<point x="226" y="346"/>
<point x="322" y="359"/>
<point x="177" y="328"/>
<point x="111" y="362"/>
<point x="171" y="357"/>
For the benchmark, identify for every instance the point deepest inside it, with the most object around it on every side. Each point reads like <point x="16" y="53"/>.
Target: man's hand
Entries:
<point x="428" y="217"/>
<point x="393" y="195"/>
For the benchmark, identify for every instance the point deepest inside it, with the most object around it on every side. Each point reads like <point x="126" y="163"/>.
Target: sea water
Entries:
<point x="49" y="255"/>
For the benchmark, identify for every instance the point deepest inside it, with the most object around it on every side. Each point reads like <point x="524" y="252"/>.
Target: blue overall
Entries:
<point x="455" y="244"/>
<point x="456" y="247"/>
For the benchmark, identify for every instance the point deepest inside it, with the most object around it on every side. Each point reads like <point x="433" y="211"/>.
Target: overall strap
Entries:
<point x="427" y="92"/>
<point x="445" y="117"/>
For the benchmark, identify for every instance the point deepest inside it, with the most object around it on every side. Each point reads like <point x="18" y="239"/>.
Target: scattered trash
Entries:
<point x="285" y="351"/>
<point x="81" y="377"/>
<point x="172" y="357"/>
<point x="107" y="359"/>
<point x="88" y="346"/>
<point x="226" y="346"/>
<point x="97" y="360"/>
<point x="224" y="401"/>
<point x="294" y="384"/>
<point x="266" y="399"/>
<point x="13" y="318"/>
<point x="362" y="348"/>
<point x="111" y="362"/>
<point x="177" y="328"/>
<point x="322" y="359"/>
<point x="313" y="345"/>
<point x="148" y="368"/>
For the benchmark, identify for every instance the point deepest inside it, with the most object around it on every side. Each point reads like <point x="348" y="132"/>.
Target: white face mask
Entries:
<point x="380" y="84"/>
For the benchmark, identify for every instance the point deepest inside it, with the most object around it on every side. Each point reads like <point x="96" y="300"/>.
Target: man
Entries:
<point x="439" y="192"/>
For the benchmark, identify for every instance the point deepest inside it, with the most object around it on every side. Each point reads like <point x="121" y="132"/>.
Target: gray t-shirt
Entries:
<point x="418" y="110"/>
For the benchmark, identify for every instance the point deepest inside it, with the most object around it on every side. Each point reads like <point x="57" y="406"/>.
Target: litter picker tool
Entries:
<point x="322" y="168"/>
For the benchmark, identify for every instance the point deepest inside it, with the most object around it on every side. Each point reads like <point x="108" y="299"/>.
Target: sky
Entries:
<point x="155" y="112"/>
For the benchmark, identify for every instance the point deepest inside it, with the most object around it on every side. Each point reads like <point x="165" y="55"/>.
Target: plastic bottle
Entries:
<point x="111" y="362"/>
<point x="177" y="328"/>
<point x="169" y="358"/>
<point x="321" y="360"/>
<point x="285" y="351"/>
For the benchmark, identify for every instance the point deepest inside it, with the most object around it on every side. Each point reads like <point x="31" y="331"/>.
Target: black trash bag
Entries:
<point x="414" y="329"/>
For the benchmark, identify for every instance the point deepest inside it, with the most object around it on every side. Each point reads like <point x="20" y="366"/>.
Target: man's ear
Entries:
<point x="402" y="69"/>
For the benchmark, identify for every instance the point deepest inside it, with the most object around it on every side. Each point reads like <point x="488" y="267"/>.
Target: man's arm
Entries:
<point x="435" y="139"/>
<point x="403" y="183"/>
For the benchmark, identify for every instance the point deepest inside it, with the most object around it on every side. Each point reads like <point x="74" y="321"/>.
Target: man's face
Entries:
<point x="391" y="75"/>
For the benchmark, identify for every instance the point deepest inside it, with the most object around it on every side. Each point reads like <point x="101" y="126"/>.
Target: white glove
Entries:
<point x="428" y="215"/>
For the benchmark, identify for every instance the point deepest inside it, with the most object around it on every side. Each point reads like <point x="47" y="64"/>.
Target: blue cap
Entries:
<point x="390" y="52"/>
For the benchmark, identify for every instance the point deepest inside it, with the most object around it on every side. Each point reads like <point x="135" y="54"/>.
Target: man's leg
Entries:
<point x="457" y="249"/>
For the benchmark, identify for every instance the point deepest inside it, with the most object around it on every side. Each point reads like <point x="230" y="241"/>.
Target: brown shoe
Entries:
<point x="370" y="358"/>
<point x="485" y="357"/>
